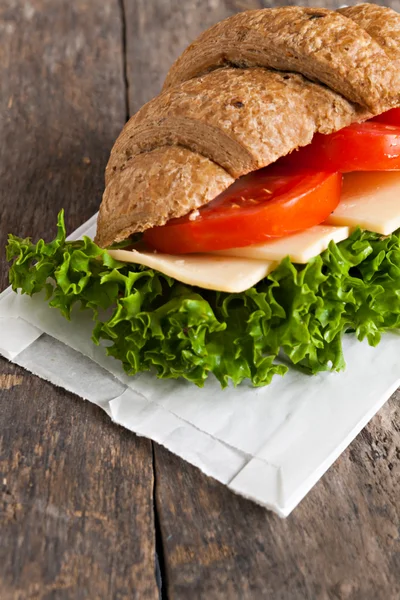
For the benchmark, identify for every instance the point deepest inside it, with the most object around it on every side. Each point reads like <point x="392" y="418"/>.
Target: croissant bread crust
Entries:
<point x="249" y="90"/>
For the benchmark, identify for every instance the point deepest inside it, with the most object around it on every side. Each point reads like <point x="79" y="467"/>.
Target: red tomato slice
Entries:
<point x="390" y="117"/>
<point x="366" y="146"/>
<point x="271" y="202"/>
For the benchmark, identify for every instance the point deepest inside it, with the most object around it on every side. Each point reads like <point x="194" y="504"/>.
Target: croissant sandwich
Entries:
<point x="251" y="213"/>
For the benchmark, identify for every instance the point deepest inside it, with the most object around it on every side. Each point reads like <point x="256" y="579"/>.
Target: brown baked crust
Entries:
<point x="321" y="44"/>
<point x="380" y="22"/>
<point x="168" y="182"/>
<point x="189" y="144"/>
<point x="235" y="117"/>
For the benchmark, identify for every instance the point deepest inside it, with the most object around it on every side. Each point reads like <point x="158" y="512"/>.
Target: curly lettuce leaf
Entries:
<point x="297" y="315"/>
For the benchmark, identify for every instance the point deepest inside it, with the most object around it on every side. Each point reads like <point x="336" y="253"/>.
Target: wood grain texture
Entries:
<point x="156" y="33"/>
<point x="76" y="499"/>
<point x="343" y="541"/>
<point x="76" y="492"/>
<point x="62" y="105"/>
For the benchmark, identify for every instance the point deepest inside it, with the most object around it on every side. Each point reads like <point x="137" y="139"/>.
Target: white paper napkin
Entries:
<point x="269" y="444"/>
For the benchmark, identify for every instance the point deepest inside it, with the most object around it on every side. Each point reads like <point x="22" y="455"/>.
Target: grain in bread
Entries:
<point x="158" y="185"/>
<point x="321" y="44"/>
<point x="242" y="119"/>
<point x="380" y="22"/>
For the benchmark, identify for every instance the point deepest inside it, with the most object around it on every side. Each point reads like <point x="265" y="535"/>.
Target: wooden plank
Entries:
<point x="62" y="106"/>
<point x="343" y="540"/>
<point x="156" y="34"/>
<point x="77" y="492"/>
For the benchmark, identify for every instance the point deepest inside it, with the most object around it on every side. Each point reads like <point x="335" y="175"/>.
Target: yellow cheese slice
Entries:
<point x="300" y="247"/>
<point x="225" y="274"/>
<point x="370" y="200"/>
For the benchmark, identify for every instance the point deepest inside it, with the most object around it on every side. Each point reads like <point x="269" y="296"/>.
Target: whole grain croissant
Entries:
<point x="249" y="90"/>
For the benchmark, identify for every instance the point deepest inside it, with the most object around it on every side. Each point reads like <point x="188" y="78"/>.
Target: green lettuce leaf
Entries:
<point x="297" y="315"/>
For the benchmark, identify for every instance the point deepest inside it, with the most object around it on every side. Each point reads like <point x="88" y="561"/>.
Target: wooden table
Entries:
<point x="88" y="509"/>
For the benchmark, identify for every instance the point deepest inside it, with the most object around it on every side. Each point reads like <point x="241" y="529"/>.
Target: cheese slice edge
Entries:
<point x="300" y="247"/>
<point x="224" y="274"/>
<point x="370" y="200"/>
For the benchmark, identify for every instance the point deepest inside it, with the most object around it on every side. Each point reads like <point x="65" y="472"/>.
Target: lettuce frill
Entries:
<point x="297" y="315"/>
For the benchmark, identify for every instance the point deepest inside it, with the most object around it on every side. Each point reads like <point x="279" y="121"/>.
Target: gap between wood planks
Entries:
<point x="124" y="57"/>
<point x="160" y="566"/>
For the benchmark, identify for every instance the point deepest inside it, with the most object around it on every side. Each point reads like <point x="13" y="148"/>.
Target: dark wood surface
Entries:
<point x="89" y="510"/>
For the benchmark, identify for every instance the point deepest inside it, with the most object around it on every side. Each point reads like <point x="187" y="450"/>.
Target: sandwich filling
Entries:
<point x="288" y="209"/>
